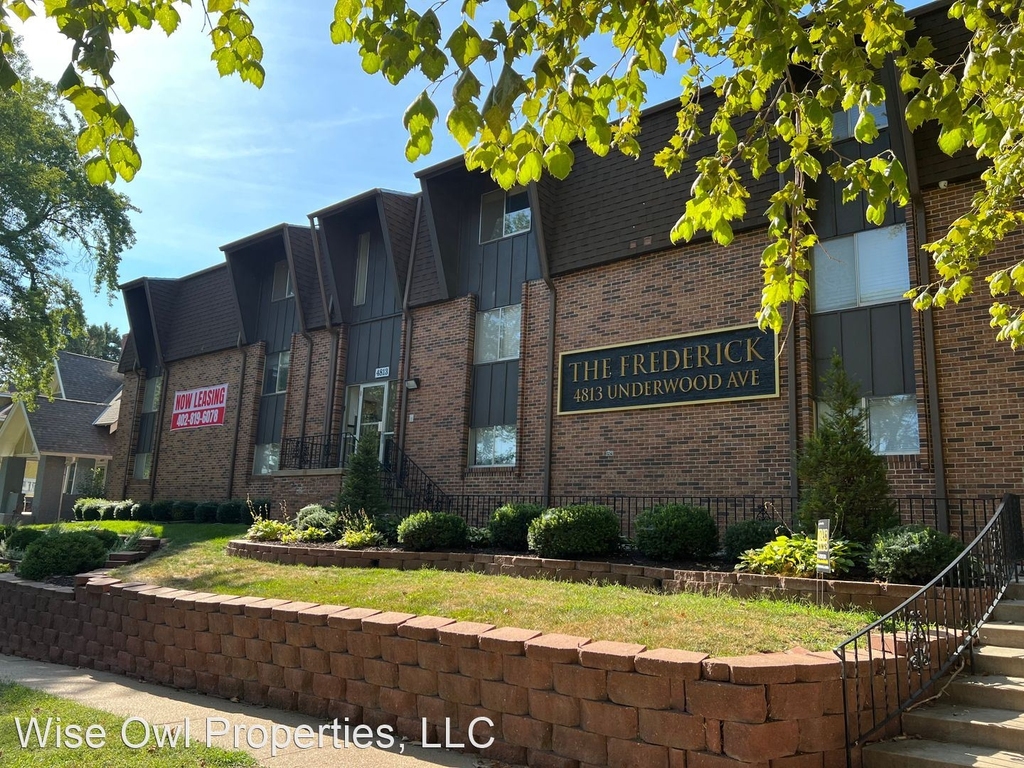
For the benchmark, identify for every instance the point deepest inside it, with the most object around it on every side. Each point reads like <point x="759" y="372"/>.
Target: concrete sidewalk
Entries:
<point x="159" y="705"/>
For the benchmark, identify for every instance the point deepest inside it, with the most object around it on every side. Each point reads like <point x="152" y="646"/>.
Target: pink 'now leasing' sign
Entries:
<point x="203" y="407"/>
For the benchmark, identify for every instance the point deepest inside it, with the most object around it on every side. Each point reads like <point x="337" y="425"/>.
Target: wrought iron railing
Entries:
<point x="890" y="665"/>
<point x="317" y="451"/>
<point x="407" y="487"/>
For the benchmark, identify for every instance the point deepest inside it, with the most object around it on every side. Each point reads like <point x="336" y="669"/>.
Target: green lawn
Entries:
<point x="720" y="626"/>
<point x="22" y="703"/>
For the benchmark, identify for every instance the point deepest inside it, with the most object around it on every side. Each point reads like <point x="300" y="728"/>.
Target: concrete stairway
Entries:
<point x="979" y="721"/>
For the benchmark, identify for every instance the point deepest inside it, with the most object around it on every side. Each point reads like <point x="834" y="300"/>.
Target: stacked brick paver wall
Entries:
<point x="555" y="700"/>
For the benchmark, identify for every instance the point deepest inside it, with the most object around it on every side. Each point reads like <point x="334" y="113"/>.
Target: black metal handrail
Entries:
<point x="408" y="487"/>
<point x="890" y="665"/>
<point x="316" y="451"/>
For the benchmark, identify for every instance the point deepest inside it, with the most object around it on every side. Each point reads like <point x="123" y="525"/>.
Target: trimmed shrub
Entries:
<point x="581" y="530"/>
<point x="750" y="534"/>
<point x="912" y="554"/>
<point x="206" y="512"/>
<point x="83" y="502"/>
<point x="229" y="512"/>
<point x="62" y="555"/>
<point x="123" y="510"/>
<point x="676" y="532"/>
<point x="142" y="511"/>
<point x="109" y="539"/>
<point x="510" y="523"/>
<point x="23" y="538"/>
<point x="183" y="511"/>
<point x="93" y="511"/>
<point x="425" y="531"/>
<point x="162" y="510"/>
<point x="362" y="489"/>
<point x="108" y="510"/>
<point x="315" y="516"/>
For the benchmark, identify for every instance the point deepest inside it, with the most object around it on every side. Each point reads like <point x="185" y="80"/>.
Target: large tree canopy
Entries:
<point x="103" y="341"/>
<point x="522" y="92"/>
<point x="48" y="210"/>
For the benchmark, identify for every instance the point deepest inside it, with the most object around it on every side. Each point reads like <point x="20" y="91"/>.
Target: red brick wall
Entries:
<point x="980" y="379"/>
<point x="553" y="699"/>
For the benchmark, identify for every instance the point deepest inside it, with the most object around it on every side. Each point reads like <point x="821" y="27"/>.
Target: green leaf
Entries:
<point x="219" y="6"/>
<point x="252" y="72"/>
<point x="99" y="171"/>
<point x="865" y="131"/>
<point x="69" y="79"/>
<point x="463" y="124"/>
<point x="167" y="17"/>
<point x="89" y="139"/>
<point x="559" y="159"/>
<point x="952" y="141"/>
<point x="530" y="167"/>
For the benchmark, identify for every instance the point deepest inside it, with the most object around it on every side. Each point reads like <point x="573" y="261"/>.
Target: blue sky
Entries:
<point x="222" y="160"/>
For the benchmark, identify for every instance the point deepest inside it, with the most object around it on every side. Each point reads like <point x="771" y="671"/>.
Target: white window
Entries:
<point x="362" y="267"/>
<point x="494" y="446"/>
<point x="267" y="457"/>
<point x="867" y="267"/>
<point x="282" y="282"/>
<point x="504" y="213"/>
<point x="275" y="377"/>
<point x="143" y="466"/>
<point x="497" y="334"/>
<point x="892" y="424"/>
<point x="844" y="123"/>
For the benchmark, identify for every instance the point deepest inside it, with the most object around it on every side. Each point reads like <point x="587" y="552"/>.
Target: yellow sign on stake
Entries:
<point x="822" y="560"/>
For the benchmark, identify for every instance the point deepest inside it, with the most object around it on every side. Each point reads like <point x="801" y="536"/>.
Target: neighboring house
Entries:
<point x="47" y="453"/>
<point x="551" y="342"/>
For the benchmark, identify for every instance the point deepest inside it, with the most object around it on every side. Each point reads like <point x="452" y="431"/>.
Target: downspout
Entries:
<point x="927" y="322"/>
<point x="794" y="433"/>
<point x="132" y="436"/>
<point x="407" y="323"/>
<point x="238" y="415"/>
<point x="332" y="368"/>
<point x="545" y="268"/>
<point x="303" y="325"/>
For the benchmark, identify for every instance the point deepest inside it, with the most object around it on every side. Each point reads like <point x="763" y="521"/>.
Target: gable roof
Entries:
<point x="88" y="379"/>
<point x="66" y="427"/>
<point x="200" y="318"/>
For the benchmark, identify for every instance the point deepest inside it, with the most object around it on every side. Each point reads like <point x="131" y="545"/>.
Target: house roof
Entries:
<point x="88" y="379"/>
<point x="66" y="427"/>
<point x="198" y="317"/>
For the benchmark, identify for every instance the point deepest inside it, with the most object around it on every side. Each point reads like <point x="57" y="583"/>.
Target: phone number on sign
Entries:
<point x="199" y="418"/>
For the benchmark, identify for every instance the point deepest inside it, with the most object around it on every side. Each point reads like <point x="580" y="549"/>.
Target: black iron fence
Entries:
<point x="407" y="487"/>
<point x="317" y="451"/>
<point x="891" y="664"/>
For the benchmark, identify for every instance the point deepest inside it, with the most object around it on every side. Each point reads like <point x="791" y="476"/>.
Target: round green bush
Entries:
<point x="62" y="555"/>
<point x="142" y="511"/>
<point x="315" y="516"/>
<point x="433" y="530"/>
<point x="676" y="532"/>
<point x="582" y="530"/>
<point x="108" y="510"/>
<point x="162" y="510"/>
<point x="206" y="512"/>
<point x="510" y="523"/>
<point x="93" y="511"/>
<point x="229" y="512"/>
<point x="123" y="510"/>
<point x="750" y="534"/>
<point x="109" y="539"/>
<point x="912" y="554"/>
<point x="183" y="511"/>
<point x="22" y="538"/>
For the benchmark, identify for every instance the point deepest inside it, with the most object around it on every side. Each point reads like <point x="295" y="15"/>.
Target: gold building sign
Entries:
<point x="726" y="364"/>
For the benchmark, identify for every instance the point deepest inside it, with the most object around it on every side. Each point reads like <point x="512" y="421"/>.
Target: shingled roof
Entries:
<point x="88" y="379"/>
<point x="200" y="319"/>
<point x="66" y="427"/>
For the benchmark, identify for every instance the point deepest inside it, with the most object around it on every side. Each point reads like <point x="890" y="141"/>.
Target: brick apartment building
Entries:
<point x="550" y="341"/>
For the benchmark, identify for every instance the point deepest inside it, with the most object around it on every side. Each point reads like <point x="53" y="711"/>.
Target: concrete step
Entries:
<point x="1002" y="633"/>
<point x="993" y="660"/>
<point x="1009" y="611"/>
<point x="1015" y="590"/>
<point x="999" y="691"/>
<point x="962" y="724"/>
<point x="921" y="753"/>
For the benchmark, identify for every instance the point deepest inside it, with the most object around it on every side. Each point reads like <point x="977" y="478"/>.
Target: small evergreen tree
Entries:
<point x="361" y="489"/>
<point x="840" y="477"/>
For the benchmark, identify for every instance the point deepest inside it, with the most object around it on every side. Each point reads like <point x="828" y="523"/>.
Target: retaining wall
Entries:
<point x="869" y="595"/>
<point x="555" y="700"/>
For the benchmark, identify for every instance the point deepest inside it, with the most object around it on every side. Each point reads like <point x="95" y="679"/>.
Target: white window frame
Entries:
<point x="279" y="389"/>
<point x="508" y="220"/>
<point x="362" y="270"/>
<point x="858" y="301"/>
<point x="474" y="434"/>
<point x="478" y="357"/>
<point x="279" y="292"/>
